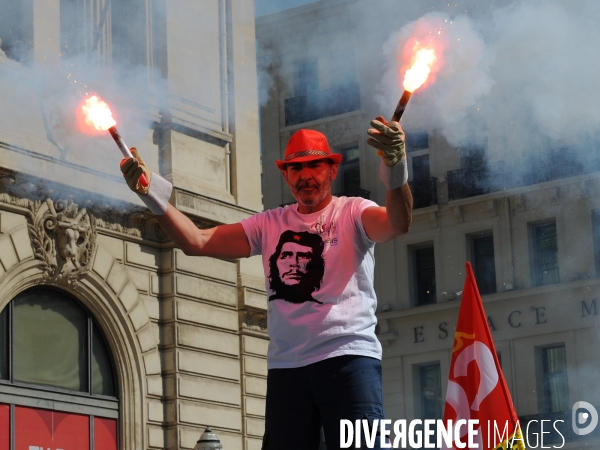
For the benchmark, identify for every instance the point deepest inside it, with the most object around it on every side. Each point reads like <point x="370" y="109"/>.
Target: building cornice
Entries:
<point x="516" y="294"/>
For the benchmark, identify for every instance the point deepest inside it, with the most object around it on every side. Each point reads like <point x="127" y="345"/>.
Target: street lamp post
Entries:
<point x="208" y="441"/>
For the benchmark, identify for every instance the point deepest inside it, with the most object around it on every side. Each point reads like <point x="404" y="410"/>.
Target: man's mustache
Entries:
<point x="304" y="185"/>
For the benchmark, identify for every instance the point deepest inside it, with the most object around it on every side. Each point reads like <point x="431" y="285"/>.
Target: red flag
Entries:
<point x="476" y="386"/>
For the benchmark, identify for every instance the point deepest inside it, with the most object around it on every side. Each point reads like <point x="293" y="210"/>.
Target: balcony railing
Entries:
<point x="549" y="166"/>
<point x="327" y="103"/>
<point x="300" y="109"/>
<point x="424" y="192"/>
<point x="464" y="183"/>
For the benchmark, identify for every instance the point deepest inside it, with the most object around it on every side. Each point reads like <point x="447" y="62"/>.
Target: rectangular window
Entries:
<point x="343" y="68"/>
<point x="110" y="31"/>
<point x="482" y="259"/>
<point x="128" y="32"/>
<point x="430" y="392"/>
<point x="305" y="105"/>
<point x="555" y="385"/>
<point x="545" y="253"/>
<point x="422" y="185"/>
<point x="417" y="140"/>
<point x="424" y="275"/>
<point x="306" y="77"/>
<point x="420" y="168"/>
<point x="349" y="172"/>
<point x="83" y="26"/>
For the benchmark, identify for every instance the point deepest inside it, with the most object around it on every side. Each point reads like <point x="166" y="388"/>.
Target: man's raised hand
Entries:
<point x="388" y="138"/>
<point x="158" y="192"/>
<point x="132" y="169"/>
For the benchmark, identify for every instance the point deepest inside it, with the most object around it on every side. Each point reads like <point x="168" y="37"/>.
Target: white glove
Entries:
<point x="389" y="139"/>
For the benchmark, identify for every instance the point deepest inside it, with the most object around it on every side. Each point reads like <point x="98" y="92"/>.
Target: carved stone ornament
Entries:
<point x="63" y="237"/>
<point x="109" y="214"/>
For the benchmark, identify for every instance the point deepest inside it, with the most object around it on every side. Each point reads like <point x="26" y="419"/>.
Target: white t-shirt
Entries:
<point x="319" y="281"/>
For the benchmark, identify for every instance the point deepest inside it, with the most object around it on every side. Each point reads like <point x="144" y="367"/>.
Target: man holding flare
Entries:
<point x="318" y="257"/>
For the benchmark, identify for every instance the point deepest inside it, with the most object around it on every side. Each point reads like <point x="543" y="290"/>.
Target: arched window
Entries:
<point x="57" y="382"/>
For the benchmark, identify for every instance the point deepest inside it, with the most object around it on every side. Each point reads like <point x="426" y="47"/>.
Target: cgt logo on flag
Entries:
<point x="477" y="389"/>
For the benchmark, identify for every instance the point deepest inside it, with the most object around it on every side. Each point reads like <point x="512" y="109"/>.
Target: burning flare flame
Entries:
<point x="418" y="72"/>
<point x="97" y="113"/>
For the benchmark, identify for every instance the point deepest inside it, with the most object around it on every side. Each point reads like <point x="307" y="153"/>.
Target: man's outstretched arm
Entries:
<point x="384" y="223"/>
<point x="223" y="241"/>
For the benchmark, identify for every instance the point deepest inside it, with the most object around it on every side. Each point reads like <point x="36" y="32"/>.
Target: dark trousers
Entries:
<point x="302" y="400"/>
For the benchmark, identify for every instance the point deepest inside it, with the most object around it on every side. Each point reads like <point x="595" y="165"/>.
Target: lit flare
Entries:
<point x="422" y="61"/>
<point x="417" y="73"/>
<point x="97" y="113"/>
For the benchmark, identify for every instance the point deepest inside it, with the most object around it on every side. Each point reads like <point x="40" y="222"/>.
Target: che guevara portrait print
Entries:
<point x="297" y="266"/>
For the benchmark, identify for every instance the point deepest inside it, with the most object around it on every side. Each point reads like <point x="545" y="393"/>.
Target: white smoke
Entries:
<point x="266" y="63"/>
<point x="446" y="102"/>
<point x="546" y="59"/>
<point x="529" y="68"/>
<point x="39" y="101"/>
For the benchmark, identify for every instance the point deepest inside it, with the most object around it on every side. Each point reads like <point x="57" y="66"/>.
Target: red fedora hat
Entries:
<point x="307" y="145"/>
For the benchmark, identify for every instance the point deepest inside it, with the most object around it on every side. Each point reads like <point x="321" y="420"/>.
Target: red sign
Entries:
<point x="42" y="429"/>
<point x="105" y="434"/>
<point x="4" y="427"/>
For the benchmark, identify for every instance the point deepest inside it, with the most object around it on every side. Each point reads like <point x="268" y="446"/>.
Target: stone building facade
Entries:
<point x="534" y="246"/>
<point x="163" y="345"/>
